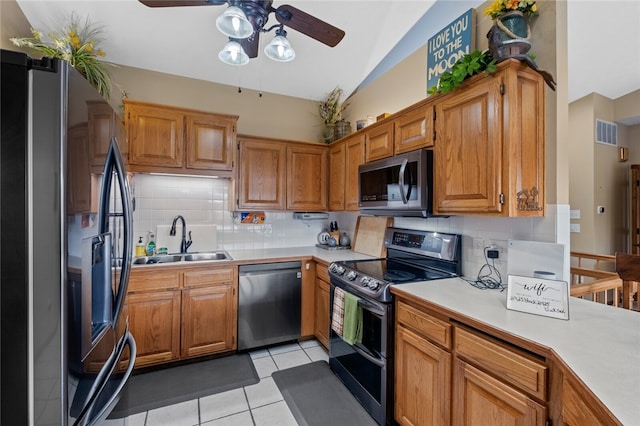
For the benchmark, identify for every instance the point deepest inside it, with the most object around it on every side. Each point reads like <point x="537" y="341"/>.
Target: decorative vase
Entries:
<point x="509" y="36"/>
<point x="333" y="132"/>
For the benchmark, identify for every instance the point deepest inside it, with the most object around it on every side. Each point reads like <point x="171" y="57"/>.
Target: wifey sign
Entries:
<point x="450" y="44"/>
<point x="539" y="296"/>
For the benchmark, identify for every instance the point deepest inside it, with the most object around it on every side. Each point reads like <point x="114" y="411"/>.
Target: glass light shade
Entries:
<point x="234" y="23"/>
<point x="280" y="49"/>
<point x="233" y="54"/>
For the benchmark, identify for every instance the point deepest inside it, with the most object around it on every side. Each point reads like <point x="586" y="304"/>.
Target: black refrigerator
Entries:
<point x="66" y="352"/>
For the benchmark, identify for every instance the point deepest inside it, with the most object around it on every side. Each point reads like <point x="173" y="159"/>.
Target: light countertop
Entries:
<point x="270" y="254"/>
<point x="600" y="343"/>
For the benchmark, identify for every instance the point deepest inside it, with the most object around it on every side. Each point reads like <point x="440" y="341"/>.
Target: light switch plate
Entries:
<point x="574" y="214"/>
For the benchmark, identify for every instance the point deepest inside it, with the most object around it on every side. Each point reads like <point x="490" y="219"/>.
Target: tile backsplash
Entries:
<point x="205" y="201"/>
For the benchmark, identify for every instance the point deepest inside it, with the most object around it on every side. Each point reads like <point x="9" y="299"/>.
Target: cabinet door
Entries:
<point x="480" y="399"/>
<point x="156" y="136"/>
<point x="79" y="196"/>
<point x="261" y="175"/>
<point x="337" y="168"/>
<point x="208" y="320"/>
<point x="154" y="321"/>
<point x="414" y="129"/>
<point x="354" y="157"/>
<point x="379" y="141"/>
<point x="580" y="409"/>
<point x="210" y="141"/>
<point x="422" y="381"/>
<point x="322" y="311"/>
<point x="468" y="149"/>
<point x="307" y="177"/>
<point x="103" y="125"/>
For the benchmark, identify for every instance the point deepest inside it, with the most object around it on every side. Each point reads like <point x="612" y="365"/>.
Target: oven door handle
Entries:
<point x="371" y="308"/>
<point x="368" y="356"/>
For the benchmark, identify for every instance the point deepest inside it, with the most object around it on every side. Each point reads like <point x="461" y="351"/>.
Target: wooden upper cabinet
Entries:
<point x="344" y="158"/>
<point x="103" y="124"/>
<point x="354" y="157"/>
<point x="337" y="178"/>
<point x="306" y="177"/>
<point x="262" y="174"/>
<point x="489" y="148"/>
<point x="177" y="140"/>
<point x="379" y="141"/>
<point x="414" y="129"/>
<point x="210" y="140"/>
<point x="156" y="136"/>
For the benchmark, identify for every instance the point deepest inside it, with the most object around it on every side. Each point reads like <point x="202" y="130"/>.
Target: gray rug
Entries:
<point x="316" y="397"/>
<point x="172" y="385"/>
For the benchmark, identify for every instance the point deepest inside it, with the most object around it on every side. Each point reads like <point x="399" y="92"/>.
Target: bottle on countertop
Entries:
<point x="151" y="244"/>
<point x="140" y="249"/>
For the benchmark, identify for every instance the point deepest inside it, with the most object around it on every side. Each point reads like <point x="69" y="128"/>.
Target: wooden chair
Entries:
<point x="628" y="268"/>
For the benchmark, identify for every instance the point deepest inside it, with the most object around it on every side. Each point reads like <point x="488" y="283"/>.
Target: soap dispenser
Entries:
<point x="140" y="250"/>
<point x="151" y="244"/>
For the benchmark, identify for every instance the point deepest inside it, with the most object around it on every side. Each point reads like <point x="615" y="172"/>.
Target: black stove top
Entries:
<point x="412" y="256"/>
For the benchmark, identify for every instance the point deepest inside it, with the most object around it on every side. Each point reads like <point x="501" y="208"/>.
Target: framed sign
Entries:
<point x="538" y="296"/>
<point x="450" y="44"/>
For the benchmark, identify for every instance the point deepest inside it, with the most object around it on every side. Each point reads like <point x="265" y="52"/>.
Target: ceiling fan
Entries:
<point x="244" y="20"/>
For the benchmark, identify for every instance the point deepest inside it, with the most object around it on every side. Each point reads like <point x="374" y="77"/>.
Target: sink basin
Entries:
<point x="167" y="258"/>
<point x="218" y="255"/>
<point x="177" y="257"/>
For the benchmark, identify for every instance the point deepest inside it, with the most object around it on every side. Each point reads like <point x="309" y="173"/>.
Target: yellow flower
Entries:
<point x="101" y="52"/>
<point x="534" y="8"/>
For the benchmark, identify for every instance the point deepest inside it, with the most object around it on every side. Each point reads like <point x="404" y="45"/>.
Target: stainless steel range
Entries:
<point x="366" y="365"/>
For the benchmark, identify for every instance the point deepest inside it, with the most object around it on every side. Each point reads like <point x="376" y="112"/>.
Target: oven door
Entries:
<point x="366" y="368"/>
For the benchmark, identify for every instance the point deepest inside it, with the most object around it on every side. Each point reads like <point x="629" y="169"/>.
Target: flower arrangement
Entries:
<point x="331" y="109"/>
<point x="76" y="43"/>
<point x="500" y="7"/>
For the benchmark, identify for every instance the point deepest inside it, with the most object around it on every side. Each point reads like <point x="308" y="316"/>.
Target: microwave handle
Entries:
<point x="401" y="181"/>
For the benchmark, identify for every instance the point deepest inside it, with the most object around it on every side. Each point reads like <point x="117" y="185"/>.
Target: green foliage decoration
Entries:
<point x="468" y="65"/>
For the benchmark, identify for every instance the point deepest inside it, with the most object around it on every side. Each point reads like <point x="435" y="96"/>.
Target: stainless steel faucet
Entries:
<point x="184" y="244"/>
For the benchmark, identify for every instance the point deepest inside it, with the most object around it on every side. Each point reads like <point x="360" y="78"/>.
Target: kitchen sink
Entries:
<point x="218" y="255"/>
<point x="167" y="258"/>
<point x="187" y="257"/>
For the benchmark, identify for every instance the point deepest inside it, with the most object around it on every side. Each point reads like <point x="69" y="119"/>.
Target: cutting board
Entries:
<point x="369" y="235"/>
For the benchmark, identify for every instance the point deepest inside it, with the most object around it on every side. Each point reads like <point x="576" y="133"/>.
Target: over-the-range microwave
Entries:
<point x="401" y="185"/>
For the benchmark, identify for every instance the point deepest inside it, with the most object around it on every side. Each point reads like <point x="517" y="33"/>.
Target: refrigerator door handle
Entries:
<point x="114" y="164"/>
<point x="87" y="418"/>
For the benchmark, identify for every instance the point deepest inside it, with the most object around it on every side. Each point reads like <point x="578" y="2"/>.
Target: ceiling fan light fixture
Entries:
<point x="234" y="23"/>
<point x="233" y="54"/>
<point x="280" y="49"/>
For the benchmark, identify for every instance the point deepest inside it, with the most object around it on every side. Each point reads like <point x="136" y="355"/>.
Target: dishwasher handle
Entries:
<point x="268" y="268"/>
<point x="298" y="273"/>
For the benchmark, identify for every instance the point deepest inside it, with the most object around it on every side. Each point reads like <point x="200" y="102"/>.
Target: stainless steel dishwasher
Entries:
<point x="269" y="303"/>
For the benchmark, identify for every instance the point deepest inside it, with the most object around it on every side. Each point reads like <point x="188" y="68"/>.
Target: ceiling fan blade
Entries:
<point x="177" y="3"/>
<point x="250" y="45"/>
<point x="309" y="25"/>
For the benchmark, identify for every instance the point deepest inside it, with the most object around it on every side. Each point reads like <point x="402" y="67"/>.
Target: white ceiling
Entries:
<point x="604" y="42"/>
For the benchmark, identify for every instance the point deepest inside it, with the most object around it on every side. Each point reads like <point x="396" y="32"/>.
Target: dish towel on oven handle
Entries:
<point x="337" y="316"/>
<point x="352" y="322"/>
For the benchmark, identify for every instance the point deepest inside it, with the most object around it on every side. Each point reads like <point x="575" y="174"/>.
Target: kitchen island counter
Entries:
<point x="599" y="343"/>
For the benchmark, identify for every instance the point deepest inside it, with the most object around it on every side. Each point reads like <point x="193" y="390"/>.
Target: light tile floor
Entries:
<point x="261" y="404"/>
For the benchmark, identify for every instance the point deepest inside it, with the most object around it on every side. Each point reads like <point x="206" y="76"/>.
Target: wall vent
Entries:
<point x="606" y="132"/>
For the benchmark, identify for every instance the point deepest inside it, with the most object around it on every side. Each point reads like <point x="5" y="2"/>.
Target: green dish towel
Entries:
<point x="352" y="328"/>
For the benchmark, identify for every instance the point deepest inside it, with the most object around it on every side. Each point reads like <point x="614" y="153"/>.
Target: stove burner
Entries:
<point x="395" y="275"/>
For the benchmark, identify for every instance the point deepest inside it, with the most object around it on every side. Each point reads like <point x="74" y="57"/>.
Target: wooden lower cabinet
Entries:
<point x="422" y="381"/>
<point x="579" y="408"/>
<point x="182" y="312"/>
<point x="154" y="321"/>
<point x="322" y="309"/>
<point x="480" y="399"/>
<point x="209" y="316"/>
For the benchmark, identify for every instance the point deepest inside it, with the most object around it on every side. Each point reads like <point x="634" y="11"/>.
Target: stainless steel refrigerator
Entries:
<point x="66" y="352"/>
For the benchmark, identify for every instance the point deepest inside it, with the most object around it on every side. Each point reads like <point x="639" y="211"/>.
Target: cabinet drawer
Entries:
<point x="434" y="329"/>
<point x="322" y="272"/>
<point x="145" y="279"/>
<point x="208" y="277"/>
<point x="506" y="363"/>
